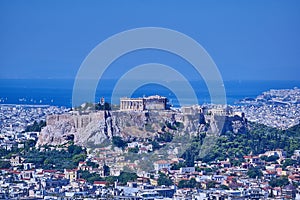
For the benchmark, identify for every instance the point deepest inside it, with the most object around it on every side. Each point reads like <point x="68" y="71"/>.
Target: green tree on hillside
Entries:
<point x="257" y="139"/>
<point x="188" y="183"/>
<point x="36" y="126"/>
<point x="126" y="177"/>
<point x="118" y="142"/>
<point x="164" y="180"/>
<point x="254" y="172"/>
<point x="279" y="182"/>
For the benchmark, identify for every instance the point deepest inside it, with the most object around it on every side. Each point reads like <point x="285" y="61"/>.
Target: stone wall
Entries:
<point x="80" y="121"/>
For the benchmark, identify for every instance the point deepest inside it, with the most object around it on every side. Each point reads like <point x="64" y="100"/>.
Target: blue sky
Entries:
<point x="248" y="40"/>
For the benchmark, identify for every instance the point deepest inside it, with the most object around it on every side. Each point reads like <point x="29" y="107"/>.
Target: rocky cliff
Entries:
<point x="96" y="127"/>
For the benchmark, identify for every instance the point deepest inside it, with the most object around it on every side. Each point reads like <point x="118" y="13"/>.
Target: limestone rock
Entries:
<point x="96" y="127"/>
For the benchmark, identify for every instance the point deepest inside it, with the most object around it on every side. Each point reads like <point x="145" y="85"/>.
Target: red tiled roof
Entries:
<point x="225" y="162"/>
<point x="162" y="162"/>
<point x="271" y="172"/>
<point x="49" y="170"/>
<point x="71" y="170"/>
<point x="100" y="182"/>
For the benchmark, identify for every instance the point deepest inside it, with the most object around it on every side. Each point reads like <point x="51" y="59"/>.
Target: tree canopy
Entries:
<point x="119" y="142"/>
<point x="164" y="180"/>
<point x="257" y="139"/>
<point x="254" y="172"/>
<point x="36" y="126"/>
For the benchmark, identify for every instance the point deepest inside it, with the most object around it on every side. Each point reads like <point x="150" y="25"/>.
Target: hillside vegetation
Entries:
<point x="256" y="140"/>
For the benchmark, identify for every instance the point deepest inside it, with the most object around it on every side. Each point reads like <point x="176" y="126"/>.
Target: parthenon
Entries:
<point x="146" y="103"/>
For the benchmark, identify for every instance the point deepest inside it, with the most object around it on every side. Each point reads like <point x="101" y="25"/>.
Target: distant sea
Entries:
<point x="58" y="92"/>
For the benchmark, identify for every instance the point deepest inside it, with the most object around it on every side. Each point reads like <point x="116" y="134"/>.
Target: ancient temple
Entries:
<point x="155" y="102"/>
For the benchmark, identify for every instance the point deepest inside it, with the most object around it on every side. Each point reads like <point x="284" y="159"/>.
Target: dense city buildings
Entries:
<point x="133" y="153"/>
<point x="15" y="118"/>
<point x="275" y="108"/>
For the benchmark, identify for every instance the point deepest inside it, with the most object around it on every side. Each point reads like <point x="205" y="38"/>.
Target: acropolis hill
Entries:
<point x="137" y="118"/>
